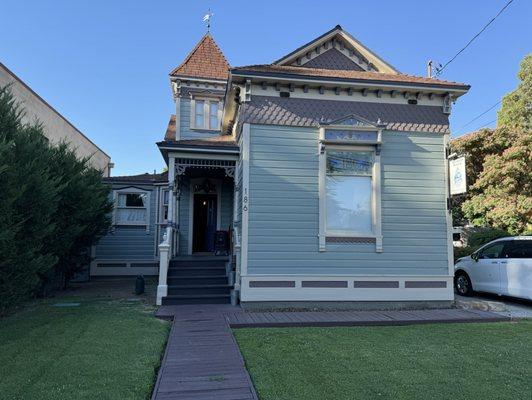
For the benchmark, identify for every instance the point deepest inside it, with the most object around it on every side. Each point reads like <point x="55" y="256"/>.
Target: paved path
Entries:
<point x="510" y="307"/>
<point x="203" y="362"/>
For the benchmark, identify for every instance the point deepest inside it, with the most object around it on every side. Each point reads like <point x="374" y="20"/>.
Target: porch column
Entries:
<point x="166" y="247"/>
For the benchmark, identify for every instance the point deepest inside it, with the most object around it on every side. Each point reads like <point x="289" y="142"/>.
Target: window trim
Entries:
<point x="206" y="112"/>
<point x="347" y="145"/>
<point x="126" y="191"/>
<point x="163" y="190"/>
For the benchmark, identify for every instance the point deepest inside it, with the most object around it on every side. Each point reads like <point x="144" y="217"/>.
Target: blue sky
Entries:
<point x="104" y="64"/>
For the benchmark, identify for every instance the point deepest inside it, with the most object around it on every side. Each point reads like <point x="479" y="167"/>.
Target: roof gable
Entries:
<point x="206" y="60"/>
<point x="344" y="43"/>
<point x="333" y="59"/>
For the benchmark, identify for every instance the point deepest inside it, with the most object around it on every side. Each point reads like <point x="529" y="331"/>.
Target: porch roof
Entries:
<point x="219" y="144"/>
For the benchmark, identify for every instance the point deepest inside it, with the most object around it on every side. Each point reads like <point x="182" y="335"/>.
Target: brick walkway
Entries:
<point x="203" y="362"/>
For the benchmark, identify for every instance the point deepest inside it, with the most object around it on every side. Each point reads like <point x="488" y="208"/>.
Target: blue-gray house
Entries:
<point x="326" y="169"/>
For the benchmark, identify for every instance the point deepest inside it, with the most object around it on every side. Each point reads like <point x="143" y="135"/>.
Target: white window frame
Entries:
<point x="132" y="190"/>
<point x="348" y="145"/>
<point x="163" y="220"/>
<point x="206" y="113"/>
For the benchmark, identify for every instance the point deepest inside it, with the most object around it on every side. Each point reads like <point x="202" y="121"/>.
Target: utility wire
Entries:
<point x="486" y="124"/>
<point x="480" y="115"/>
<point x="439" y="71"/>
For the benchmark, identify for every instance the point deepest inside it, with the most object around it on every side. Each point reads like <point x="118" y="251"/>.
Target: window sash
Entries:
<point x="213" y="115"/>
<point x="349" y="205"/>
<point x="125" y="215"/>
<point x="199" y="114"/>
<point x="205" y="114"/>
<point x="353" y="163"/>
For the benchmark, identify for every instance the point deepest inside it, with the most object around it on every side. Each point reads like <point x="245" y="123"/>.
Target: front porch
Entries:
<point x="195" y="255"/>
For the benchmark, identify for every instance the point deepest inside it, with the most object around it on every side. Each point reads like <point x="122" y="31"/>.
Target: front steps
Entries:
<point x="198" y="280"/>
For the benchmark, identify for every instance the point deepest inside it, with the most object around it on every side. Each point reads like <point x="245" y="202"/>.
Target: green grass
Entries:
<point x="103" y="349"/>
<point x="454" y="361"/>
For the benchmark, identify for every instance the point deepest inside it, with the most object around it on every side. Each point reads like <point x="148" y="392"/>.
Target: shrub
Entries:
<point x="460" y="252"/>
<point x="52" y="207"/>
<point x="480" y="237"/>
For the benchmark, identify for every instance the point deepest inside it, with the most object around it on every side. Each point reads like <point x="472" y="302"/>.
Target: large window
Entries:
<point x="349" y="183"/>
<point x="206" y="114"/>
<point x="349" y="192"/>
<point x="131" y="208"/>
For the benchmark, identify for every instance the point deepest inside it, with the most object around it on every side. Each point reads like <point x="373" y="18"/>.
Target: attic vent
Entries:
<point x="284" y="94"/>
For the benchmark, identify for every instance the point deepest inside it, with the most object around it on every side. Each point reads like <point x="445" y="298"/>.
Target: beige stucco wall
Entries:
<point x="56" y="126"/>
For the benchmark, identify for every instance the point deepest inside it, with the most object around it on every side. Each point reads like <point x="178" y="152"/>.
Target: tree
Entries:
<point x="82" y="216"/>
<point x="499" y="164"/>
<point x="516" y="109"/>
<point x="29" y="195"/>
<point x="53" y="207"/>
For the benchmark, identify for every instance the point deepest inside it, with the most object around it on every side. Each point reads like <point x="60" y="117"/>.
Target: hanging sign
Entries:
<point x="457" y="176"/>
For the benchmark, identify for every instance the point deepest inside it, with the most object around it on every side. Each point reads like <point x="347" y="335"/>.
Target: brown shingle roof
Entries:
<point x="347" y="74"/>
<point x="170" y="130"/>
<point x="206" y="60"/>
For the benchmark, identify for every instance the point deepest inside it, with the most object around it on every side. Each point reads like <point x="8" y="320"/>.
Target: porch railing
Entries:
<point x="165" y="255"/>
<point x="235" y="251"/>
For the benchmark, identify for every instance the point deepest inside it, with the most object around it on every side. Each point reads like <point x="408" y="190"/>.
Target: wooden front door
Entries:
<point x="204" y="223"/>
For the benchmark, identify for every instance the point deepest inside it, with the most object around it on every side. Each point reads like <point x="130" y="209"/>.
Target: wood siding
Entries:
<point x="283" y="215"/>
<point x="131" y="243"/>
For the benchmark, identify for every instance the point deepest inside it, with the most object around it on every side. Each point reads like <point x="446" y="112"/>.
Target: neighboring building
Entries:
<point x="56" y="127"/>
<point x="328" y="167"/>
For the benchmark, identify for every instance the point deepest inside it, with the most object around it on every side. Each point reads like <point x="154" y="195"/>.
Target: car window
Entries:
<point x="492" y="251"/>
<point x="519" y="249"/>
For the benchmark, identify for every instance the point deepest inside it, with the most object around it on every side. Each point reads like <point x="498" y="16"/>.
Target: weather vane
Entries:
<point x="207" y="19"/>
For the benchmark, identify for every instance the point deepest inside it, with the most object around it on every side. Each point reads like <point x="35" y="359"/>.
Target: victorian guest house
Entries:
<point x="321" y="177"/>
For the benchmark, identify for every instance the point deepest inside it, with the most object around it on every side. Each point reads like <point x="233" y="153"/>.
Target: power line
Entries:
<point x="486" y="124"/>
<point x="480" y="115"/>
<point x="439" y="71"/>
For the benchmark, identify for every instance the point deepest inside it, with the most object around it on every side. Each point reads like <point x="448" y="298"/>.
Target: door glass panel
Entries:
<point x="493" y="251"/>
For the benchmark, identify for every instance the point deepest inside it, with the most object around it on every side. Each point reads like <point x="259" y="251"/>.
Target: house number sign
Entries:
<point x="245" y="200"/>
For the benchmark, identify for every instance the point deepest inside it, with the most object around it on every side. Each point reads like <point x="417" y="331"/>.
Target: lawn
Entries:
<point x="101" y="349"/>
<point x="446" y="361"/>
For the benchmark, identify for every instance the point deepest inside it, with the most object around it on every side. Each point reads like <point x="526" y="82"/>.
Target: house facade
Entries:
<point x="327" y="169"/>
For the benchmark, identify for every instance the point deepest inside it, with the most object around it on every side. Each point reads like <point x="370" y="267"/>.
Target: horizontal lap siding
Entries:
<point x="184" y="210"/>
<point x="227" y="205"/>
<point x="131" y="242"/>
<point x="284" y="214"/>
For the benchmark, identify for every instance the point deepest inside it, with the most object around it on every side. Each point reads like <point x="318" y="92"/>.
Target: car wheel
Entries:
<point x="462" y="284"/>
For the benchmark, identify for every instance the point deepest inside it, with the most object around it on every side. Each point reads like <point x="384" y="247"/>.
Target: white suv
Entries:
<point x="503" y="266"/>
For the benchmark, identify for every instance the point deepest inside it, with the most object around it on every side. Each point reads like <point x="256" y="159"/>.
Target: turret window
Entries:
<point x="205" y="114"/>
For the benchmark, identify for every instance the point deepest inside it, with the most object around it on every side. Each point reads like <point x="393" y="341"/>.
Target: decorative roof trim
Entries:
<point x="365" y="122"/>
<point x="291" y="77"/>
<point x="380" y="64"/>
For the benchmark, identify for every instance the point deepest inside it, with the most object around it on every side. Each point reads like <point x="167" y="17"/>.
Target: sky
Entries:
<point x="104" y="64"/>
